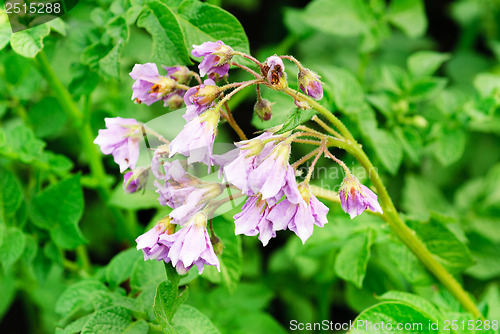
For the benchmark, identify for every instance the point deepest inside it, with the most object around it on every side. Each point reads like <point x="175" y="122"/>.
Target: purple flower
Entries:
<point x="183" y="192"/>
<point x="135" y="180"/>
<point x="356" y="198"/>
<point x="181" y="74"/>
<point x="216" y="58"/>
<point x="274" y="70"/>
<point x="148" y="242"/>
<point x="252" y="220"/>
<point x="149" y="86"/>
<point x="299" y="217"/>
<point x="200" y="98"/>
<point x="196" y="140"/>
<point x="310" y="83"/>
<point x="191" y="246"/>
<point x="243" y="160"/>
<point x="272" y="173"/>
<point x="121" y="139"/>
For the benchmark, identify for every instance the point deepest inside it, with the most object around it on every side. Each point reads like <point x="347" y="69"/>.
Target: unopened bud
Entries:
<point x="217" y="244"/>
<point x="263" y="109"/>
<point x="310" y="83"/>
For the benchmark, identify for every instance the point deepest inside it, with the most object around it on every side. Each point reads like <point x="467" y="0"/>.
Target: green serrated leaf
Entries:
<point x="29" y="42"/>
<point x="353" y="258"/>
<point x="5" y="31"/>
<point x="419" y="303"/>
<point x="293" y="119"/>
<point x="78" y="295"/>
<point x="407" y="263"/>
<point x="426" y="88"/>
<point x="188" y="320"/>
<point x="145" y="274"/>
<point x="21" y="141"/>
<point x="169" y="47"/>
<point x="110" y="63"/>
<point x="58" y="209"/>
<point x="409" y="16"/>
<point x="425" y="63"/>
<point x="110" y="320"/>
<point x="411" y="142"/>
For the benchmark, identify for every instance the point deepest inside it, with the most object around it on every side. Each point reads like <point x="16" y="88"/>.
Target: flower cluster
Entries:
<point x="259" y="168"/>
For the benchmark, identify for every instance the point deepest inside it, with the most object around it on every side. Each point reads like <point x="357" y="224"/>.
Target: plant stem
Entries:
<point x="232" y="122"/>
<point x="390" y="215"/>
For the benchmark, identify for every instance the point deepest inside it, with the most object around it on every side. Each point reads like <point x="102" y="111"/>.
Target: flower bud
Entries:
<point x="181" y="74"/>
<point x="163" y="86"/>
<point x="310" y="83"/>
<point x="274" y="70"/>
<point x="217" y="244"/>
<point x="263" y="109"/>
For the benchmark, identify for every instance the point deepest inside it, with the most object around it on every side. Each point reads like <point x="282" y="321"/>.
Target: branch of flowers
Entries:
<point x="305" y="158"/>
<point x="157" y="135"/>
<point x="196" y="76"/>
<point x="307" y="129"/>
<point x="247" y="56"/>
<point x="307" y="141"/>
<point x="293" y="59"/>
<point x="326" y="127"/>
<point x="248" y="69"/>
<point x="240" y="86"/>
<point x="230" y="119"/>
<point x="409" y="238"/>
<point x="322" y="110"/>
<point x="311" y="168"/>
<point x="84" y="133"/>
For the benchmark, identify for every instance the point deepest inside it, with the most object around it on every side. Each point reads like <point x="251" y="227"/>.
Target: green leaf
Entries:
<point x="337" y="17"/>
<point x="110" y="320"/>
<point x="12" y="247"/>
<point x="388" y="149"/>
<point x="487" y="83"/>
<point x="47" y="117"/>
<point x="58" y="209"/>
<point x="21" y="141"/>
<point x="29" y="42"/>
<point x="393" y="313"/>
<point x="120" y="267"/>
<point x="420" y="196"/>
<point x="188" y="320"/>
<point x="169" y="47"/>
<point x="135" y="201"/>
<point x="11" y="194"/>
<point x="5" y="31"/>
<point x="411" y="142"/>
<point x="145" y="274"/>
<point x="84" y="81"/>
<point x="419" y="303"/>
<point x="441" y="242"/>
<point x="486" y="254"/>
<point x="166" y="304"/>
<point x="425" y="63"/>
<point x="449" y="144"/>
<point x="353" y="258"/>
<point x="7" y="292"/>
<point x="78" y="295"/>
<point x="138" y="327"/>
<point x="343" y="88"/>
<point x="426" y="88"/>
<point x="202" y="22"/>
<point x="408" y="264"/>
<point x="293" y="119"/>
<point x="409" y="16"/>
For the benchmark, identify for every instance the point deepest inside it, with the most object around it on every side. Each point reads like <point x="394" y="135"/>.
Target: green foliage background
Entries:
<point x="417" y="84"/>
